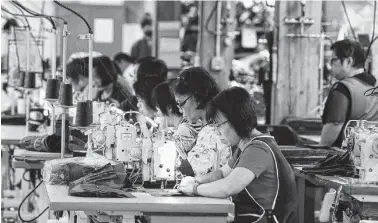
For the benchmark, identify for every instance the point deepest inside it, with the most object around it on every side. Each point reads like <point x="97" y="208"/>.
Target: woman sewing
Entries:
<point x="108" y="89"/>
<point x="193" y="89"/>
<point x="185" y="132"/>
<point x="257" y="177"/>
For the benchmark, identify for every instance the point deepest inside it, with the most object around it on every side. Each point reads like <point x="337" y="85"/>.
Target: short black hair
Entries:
<point x="143" y="89"/>
<point x="9" y="23"/>
<point x="77" y="67"/>
<point x="105" y="69"/>
<point x="237" y="105"/>
<point x="196" y="81"/>
<point x="123" y="56"/>
<point x="164" y="99"/>
<point x="146" y="21"/>
<point x="350" y="48"/>
<point x="150" y="66"/>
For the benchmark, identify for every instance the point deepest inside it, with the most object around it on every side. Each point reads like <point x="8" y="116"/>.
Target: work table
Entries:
<point x="161" y="209"/>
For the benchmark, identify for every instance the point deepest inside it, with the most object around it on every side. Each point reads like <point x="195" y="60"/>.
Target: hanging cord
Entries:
<point x="208" y="20"/>
<point x="347" y="16"/>
<point x="28" y="25"/>
<point x="22" y="202"/>
<point x="86" y="22"/>
<point x="41" y="14"/>
<point x="34" y="14"/>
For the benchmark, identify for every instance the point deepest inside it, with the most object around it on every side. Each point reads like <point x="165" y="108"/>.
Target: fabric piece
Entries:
<point x="92" y="190"/>
<point x="203" y="156"/>
<point x="339" y="165"/>
<point x="258" y="159"/>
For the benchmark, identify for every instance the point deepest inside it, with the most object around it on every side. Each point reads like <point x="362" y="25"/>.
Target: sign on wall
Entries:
<point x="103" y="30"/>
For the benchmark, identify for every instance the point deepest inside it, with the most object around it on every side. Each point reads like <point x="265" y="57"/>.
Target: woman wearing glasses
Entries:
<point x="257" y="177"/>
<point x="193" y="89"/>
<point x="185" y="132"/>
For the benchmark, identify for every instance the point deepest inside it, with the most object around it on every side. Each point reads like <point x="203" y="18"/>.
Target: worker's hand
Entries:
<point x="187" y="180"/>
<point x="187" y="188"/>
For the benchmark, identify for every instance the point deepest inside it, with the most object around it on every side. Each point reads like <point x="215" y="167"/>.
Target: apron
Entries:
<point x="247" y="209"/>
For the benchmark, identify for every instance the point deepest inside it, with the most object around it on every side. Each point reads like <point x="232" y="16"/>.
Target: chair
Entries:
<point x="284" y="134"/>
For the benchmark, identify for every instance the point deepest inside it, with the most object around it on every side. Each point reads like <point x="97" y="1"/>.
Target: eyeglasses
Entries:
<point x="181" y="104"/>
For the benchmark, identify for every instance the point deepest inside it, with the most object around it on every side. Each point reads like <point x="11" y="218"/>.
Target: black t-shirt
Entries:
<point x="338" y="105"/>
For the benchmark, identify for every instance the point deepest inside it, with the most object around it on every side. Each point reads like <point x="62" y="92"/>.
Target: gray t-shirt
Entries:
<point x="258" y="158"/>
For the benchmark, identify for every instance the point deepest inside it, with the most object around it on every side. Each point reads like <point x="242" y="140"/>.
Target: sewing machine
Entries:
<point x="362" y="140"/>
<point x="130" y="143"/>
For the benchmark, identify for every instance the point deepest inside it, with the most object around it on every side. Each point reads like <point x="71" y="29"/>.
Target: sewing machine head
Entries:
<point x="362" y="141"/>
<point x="123" y="143"/>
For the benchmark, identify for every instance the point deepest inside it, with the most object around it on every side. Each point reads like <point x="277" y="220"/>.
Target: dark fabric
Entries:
<point x="340" y="165"/>
<point x="104" y="182"/>
<point x="286" y="205"/>
<point x="48" y="143"/>
<point x="185" y="168"/>
<point x="92" y="190"/>
<point x="141" y="49"/>
<point x="337" y="109"/>
<point x="111" y="176"/>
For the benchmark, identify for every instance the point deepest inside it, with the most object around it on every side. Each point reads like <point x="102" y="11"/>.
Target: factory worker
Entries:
<point x="185" y="132"/>
<point x="193" y="89"/>
<point x="258" y="177"/>
<point x="109" y="90"/>
<point x="77" y="75"/>
<point x="150" y="73"/>
<point x="125" y="67"/>
<point x="346" y="100"/>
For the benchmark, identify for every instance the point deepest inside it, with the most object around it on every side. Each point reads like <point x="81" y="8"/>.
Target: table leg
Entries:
<point x="188" y="219"/>
<point x="301" y="189"/>
<point x="309" y="207"/>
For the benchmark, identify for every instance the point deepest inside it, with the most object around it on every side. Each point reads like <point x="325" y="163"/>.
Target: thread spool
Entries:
<point x="30" y="80"/>
<point x="84" y="113"/>
<point x="52" y="89"/>
<point x="58" y="128"/>
<point x="65" y="95"/>
<point x="21" y="80"/>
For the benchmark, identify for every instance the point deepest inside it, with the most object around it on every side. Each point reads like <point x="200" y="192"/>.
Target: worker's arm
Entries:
<point x="215" y="175"/>
<point x="330" y="132"/>
<point x="336" y="113"/>
<point x="235" y="182"/>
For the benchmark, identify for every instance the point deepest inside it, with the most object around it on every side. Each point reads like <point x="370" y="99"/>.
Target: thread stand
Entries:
<point x="89" y="37"/>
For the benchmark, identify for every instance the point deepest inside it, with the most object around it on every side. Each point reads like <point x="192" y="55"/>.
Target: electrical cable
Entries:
<point x="34" y="14"/>
<point x="19" y="207"/>
<point x="14" y="14"/>
<point x="347" y="16"/>
<point x="28" y="26"/>
<point x="23" y="176"/>
<point x="51" y="16"/>
<point x="375" y="14"/>
<point x="86" y="22"/>
<point x="208" y="20"/>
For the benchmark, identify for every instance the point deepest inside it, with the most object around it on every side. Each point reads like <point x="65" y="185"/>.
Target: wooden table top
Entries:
<point x="351" y="186"/>
<point x="144" y="202"/>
